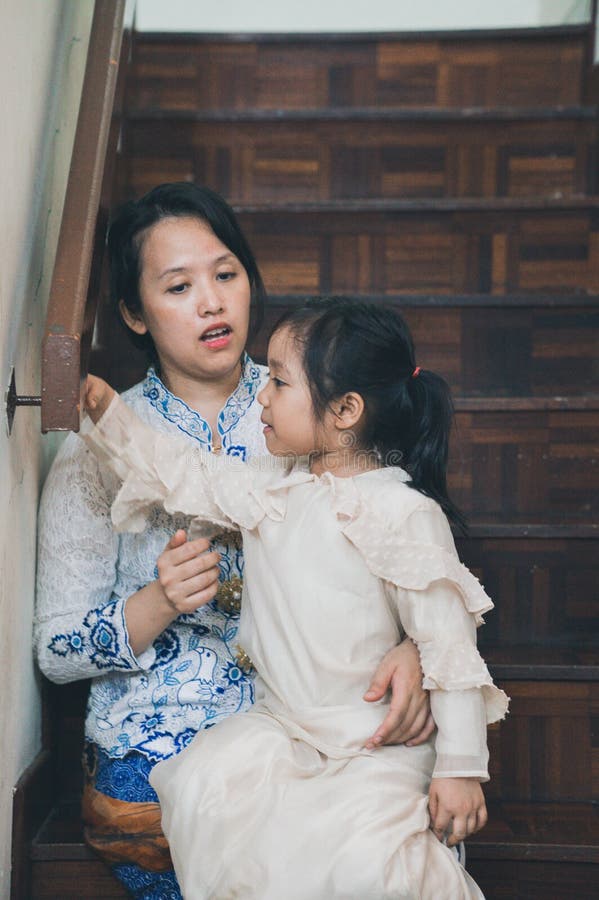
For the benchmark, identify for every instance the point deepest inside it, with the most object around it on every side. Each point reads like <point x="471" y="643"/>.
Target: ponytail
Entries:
<point x="422" y="415"/>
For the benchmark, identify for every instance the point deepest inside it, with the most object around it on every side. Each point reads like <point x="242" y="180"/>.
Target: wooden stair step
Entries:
<point x="335" y="155"/>
<point x="453" y="247"/>
<point x="530" y="662"/>
<point x="367" y="114"/>
<point x="524" y="67"/>
<point x="567" y="832"/>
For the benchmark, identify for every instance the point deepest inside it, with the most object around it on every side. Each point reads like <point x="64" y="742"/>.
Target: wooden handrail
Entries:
<point x="76" y="279"/>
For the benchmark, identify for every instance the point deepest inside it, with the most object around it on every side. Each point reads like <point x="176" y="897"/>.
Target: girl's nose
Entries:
<point x="261" y="397"/>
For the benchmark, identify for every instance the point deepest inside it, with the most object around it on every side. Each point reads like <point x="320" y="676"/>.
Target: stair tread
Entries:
<point x="539" y="831"/>
<point x="546" y="663"/>
<point x="366" y="114"/>
<point x="423" y="204"/>
<point x="515" y="830"/>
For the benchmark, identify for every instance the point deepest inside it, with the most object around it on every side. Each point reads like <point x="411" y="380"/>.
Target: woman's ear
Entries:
<point x="348" y="410"/>
<point x="134" y="321"/>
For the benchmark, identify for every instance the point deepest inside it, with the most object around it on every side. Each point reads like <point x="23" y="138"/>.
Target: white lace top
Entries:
<point x="189" y="678"/>
<point x="338" y="569"/>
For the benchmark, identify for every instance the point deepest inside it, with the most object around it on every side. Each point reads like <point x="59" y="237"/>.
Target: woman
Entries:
<point x="141" y="614"/>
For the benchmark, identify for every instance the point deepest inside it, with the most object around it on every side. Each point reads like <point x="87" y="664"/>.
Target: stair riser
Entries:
<point x="546" y="749"/>
<point x="525" y="352"/>
<point x="494" y="252"/>
<point x="315" y="161"/>
<point x="284" y="74"/>
<point x="545" y="591"/>
<point x="509" y="880"/>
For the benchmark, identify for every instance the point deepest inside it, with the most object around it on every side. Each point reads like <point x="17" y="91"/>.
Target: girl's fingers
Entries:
<point x="459" y="831"/>
<point x="481" y="817"/>
<point x="472" y="825"/>
<point x="441" y="822"/>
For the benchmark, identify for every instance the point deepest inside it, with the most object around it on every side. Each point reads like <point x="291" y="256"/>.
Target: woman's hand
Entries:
<point x="187" y="574"/>
<point x="187" y="579"/>
<point x="457" y="808"/>
<point x="409" y="719"/>
<point x="97" y="395"/>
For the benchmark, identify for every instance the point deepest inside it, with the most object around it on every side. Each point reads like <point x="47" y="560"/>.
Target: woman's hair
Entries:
<point x="182" y="200"/>
<point x="347" y="345"/>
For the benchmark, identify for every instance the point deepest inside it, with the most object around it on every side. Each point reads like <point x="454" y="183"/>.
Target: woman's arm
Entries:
<point x="409" y="720"/>
<point x="82" y="629"/>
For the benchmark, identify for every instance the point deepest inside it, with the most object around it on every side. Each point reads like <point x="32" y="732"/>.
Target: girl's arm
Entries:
<point x="163" y="469"/>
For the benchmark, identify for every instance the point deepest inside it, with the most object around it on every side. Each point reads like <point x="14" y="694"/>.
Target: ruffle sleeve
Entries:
<point x="405" y="539"/>
<point x="158" y="468"/>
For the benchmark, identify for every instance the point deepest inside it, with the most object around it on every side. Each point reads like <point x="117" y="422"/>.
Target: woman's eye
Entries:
<point x="178" y="288"/>
<point x="225" y="276"/>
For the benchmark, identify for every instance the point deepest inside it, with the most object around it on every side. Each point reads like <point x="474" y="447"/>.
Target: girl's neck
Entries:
<point x="344" y="463"/>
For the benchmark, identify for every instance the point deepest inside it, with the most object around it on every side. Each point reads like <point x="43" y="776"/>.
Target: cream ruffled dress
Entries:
<point x="282" y="802"/>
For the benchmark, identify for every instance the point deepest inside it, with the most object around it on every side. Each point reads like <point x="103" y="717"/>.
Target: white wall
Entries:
<point x="354" y="15"/>
<point x="43" y="45"/>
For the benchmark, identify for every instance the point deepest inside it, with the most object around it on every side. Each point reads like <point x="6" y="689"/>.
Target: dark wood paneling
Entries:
<point x="75" y="880"/>
<point x="328" y="160"/>
<point x="483" y="352"/>
<point x="547" y="748"/>
<point x="519" y="466"/>
<point x="209" y="74"/>
<point x="545" y="591"/>
<point x="459" y="250"/>
<point x="509" y="880"/>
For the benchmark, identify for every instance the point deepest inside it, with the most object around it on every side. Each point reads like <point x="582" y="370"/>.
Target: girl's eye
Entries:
<point x="178" y="288"/>
<point x="277" y="381"/>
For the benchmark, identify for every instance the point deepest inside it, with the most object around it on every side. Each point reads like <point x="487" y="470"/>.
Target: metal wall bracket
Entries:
<point x="13" y="400"/>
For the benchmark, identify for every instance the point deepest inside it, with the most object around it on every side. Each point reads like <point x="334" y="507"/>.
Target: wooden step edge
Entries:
<point x="417" y="301"/>
<point x="505" y="672"/>
<point x="436" y="206"/>
<point x="587" y="402"/>
<point x="552" y="32"/>
<point x="336" y="114"/>
<point x="556" y="832"/>
<point x="583" y="530"/>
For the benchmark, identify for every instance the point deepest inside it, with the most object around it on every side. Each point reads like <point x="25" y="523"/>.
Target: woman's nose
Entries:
<point x="210" y="302"/>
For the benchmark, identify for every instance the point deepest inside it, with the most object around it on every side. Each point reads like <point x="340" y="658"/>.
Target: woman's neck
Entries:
<point x="205" y="396"/>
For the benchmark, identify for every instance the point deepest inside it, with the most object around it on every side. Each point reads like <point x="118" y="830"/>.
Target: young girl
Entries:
<point x="285" y="800"/>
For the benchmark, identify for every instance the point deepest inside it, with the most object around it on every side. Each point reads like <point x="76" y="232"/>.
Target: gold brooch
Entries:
<point x="243" y="660"/>
<point x="228" y="595"/>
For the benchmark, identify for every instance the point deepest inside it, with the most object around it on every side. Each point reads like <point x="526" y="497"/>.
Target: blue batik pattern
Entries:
<point x="155" y="702"/>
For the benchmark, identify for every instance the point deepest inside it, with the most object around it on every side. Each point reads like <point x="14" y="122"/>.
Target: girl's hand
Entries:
<point x="409" y="718"/>
<point x="187" y="574"/>
<point x="457" y="808"/>
<point x="97" y="395"/>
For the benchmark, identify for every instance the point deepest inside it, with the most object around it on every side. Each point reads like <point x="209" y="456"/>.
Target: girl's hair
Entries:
<point x="182" y="200"/>
<point x="347" y="345"/>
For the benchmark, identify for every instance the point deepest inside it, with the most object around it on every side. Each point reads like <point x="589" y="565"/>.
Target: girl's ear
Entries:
<point x="134" y="321"/>
<point x="348" y="410"/>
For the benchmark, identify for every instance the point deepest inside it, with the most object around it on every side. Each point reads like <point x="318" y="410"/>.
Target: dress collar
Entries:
<point x="188" y="420"/>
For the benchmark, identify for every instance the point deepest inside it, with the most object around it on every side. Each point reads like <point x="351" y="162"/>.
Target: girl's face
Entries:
<point x="287" y="415"/>
<point x="195" y="300"/>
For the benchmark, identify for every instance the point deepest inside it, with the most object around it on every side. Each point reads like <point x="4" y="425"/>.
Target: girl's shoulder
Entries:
<point x="389" y="496"/>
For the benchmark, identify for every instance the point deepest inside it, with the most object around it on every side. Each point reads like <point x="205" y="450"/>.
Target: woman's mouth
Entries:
<point x="217" y="337"/>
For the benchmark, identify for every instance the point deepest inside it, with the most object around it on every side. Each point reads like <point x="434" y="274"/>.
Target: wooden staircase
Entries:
<point x="458" y="177"/>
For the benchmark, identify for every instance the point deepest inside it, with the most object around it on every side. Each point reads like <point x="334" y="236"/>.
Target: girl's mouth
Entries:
<point x="217" y="337"/>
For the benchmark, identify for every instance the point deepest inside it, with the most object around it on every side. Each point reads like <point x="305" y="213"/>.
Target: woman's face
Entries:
<point x="195" y="300"/>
